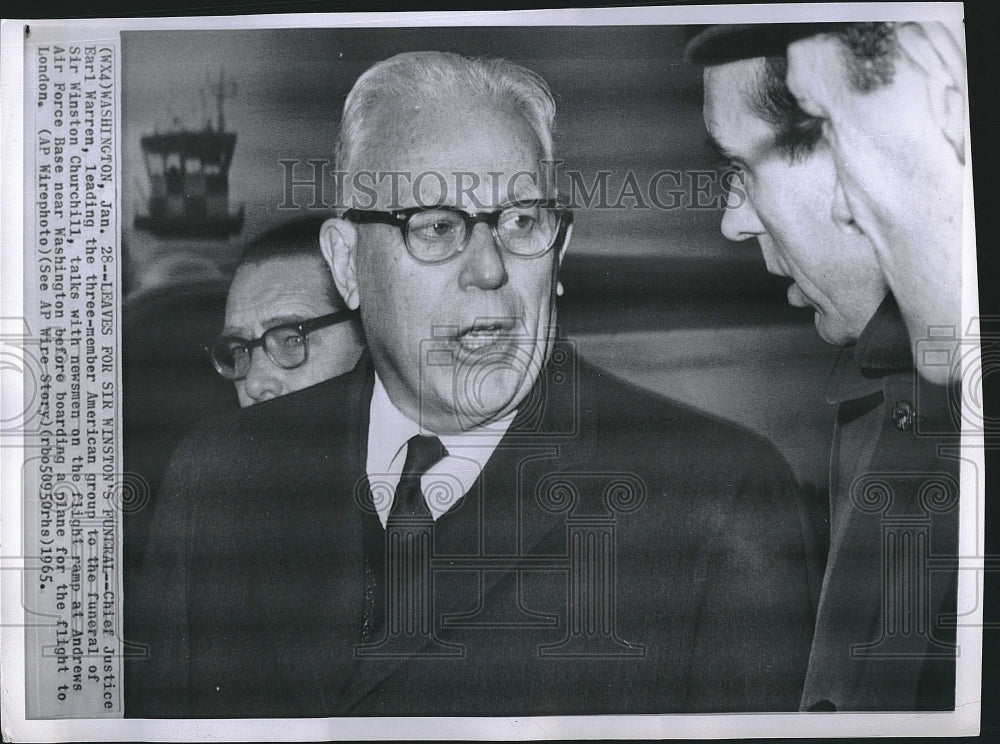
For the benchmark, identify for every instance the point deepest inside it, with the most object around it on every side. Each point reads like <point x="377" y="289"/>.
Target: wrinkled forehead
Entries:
<point x="467" y="153"/>
<point x="307" y="273"/>
<point x="287" y="286"/>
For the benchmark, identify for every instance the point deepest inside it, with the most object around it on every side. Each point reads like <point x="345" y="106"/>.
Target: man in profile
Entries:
<point x="894" y="100"/>
<point x="786" y="176"/>
<point x="472" y="521"/>
<point x="788" y="179"/>
<point x="286" y="326"/>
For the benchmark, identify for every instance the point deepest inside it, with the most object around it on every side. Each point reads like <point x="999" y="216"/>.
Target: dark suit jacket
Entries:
<point x="690" y="590"/>
<point x="882" y="640"/>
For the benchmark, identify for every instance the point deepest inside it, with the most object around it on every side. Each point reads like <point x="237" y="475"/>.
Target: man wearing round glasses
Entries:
<point x="503" y="261"/>
<point x="472" y="521"/>
<point x="476" y="279"/>
<point x="286" y="326"/>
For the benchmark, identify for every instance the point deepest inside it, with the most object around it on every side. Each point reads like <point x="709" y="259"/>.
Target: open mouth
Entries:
<point x="485" y="333"/>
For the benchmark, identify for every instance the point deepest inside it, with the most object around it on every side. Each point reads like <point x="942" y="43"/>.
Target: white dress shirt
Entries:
<point x="444" y="483"/>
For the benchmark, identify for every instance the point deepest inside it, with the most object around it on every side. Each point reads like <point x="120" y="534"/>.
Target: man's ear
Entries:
<point x="932" y="47"/>
<point x="562" y="252"/>
<point x="338" y="240"/>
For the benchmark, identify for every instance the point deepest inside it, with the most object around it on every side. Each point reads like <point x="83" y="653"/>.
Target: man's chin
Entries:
<point x="478" y="386"/>
<point x="488" y="395"/>
<point x="832" y="335"/>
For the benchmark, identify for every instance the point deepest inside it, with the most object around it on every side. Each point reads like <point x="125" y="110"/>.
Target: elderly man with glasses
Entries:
<point x="286" y="326"/>
<point x="472" y="521"/>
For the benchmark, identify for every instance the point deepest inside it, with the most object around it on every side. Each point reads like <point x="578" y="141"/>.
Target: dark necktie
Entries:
<point x="421" y="454"/>
<point x="405" y="619"/>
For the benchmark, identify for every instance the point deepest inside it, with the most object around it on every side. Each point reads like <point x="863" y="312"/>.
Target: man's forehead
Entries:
<point x="278" y="267"/>
<point x="734" y="127"/>
<point x="447" y="148"/>
<point x="299" y="277"/>
<point x="728" y="88"/>
<point x="275" y="292"/>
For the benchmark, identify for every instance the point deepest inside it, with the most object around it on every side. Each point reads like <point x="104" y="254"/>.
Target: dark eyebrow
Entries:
<point x="231" y="332"/>
<point x="799" y="135"/>
<point x="279" y="320"/>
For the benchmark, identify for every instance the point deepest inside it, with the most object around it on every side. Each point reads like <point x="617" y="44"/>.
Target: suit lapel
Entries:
<point x="494" y="518"/>
<point x="341" y="410"/>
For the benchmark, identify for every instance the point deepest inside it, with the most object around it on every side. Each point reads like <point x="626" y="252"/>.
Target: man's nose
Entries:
<point x="740" y="221"/>
<point x="483" y="266"/>
<point x="263" y="380"/>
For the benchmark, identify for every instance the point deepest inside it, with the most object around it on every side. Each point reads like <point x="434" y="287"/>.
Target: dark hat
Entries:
<point x="732" y="42"/>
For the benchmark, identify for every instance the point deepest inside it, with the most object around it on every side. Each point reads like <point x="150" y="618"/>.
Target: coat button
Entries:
<point x="903" y="415"/>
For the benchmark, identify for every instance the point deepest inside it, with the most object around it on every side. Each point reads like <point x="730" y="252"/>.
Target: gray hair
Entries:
<point x="436" y="76"/>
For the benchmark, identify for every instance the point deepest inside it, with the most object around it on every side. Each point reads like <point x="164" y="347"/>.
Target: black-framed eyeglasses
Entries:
<point x="433" y="235"/>
<point x="287" y="345"/>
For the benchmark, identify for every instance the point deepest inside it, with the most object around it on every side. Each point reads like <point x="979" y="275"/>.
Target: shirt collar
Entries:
<point x="388" y="432"/>
<point x="445" y="483"/>
<point x="882" y="349"/>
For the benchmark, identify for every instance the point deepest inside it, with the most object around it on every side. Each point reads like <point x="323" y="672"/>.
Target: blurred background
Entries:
<point x="656" y="296"/>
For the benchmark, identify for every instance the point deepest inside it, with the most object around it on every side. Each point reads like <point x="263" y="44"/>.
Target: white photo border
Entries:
<point x="963" y="721"/>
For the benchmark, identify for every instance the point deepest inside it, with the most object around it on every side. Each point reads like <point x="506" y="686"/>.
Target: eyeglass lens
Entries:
<point x="286" y="347"/>
<point x="436" y="235"/>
